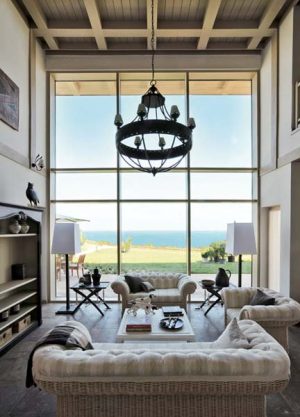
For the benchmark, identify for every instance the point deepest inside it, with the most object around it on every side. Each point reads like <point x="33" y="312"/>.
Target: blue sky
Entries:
<point x="86" y="138"/>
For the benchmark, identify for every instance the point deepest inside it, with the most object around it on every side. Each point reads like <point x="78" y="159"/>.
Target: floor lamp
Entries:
<point x="66" y="241"/>
<point x="240" y="240"/>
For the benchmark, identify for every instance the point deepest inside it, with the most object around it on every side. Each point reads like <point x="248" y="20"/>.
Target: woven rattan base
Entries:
<point x="161" y="406"/>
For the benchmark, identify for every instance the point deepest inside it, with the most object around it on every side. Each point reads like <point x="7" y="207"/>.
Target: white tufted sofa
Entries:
<point x="275" y="319"/>
<point x="181" y="379"/>
<point x="170" y="288"/>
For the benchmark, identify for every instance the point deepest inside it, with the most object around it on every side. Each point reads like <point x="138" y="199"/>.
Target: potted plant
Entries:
<point x="230" y="258"/>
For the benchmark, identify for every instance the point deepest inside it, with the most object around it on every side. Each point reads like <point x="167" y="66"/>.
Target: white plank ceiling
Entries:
<point x="105" y="25"/>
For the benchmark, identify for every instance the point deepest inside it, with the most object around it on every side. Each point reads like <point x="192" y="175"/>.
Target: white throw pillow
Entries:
<point x="232" y="337"/>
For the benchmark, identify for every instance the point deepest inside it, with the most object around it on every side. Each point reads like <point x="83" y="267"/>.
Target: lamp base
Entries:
<point x="65" y="310"/>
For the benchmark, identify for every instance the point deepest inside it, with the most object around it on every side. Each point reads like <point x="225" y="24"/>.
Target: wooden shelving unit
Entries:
<point x="25" y="293"/>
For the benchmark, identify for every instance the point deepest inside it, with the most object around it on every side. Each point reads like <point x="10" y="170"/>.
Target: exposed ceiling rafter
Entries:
<point x="40" y="20"/>
<point x="269" y="15"/>
<point x="208" y="23"/>
<point x="95" y="20"/>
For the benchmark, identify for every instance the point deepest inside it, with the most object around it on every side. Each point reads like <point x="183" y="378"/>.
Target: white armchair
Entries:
<point x="170" y="288"/>
<point x="274" y="318"/>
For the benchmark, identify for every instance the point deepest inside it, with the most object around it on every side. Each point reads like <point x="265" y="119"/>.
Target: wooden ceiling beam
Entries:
<point x="269" y="15"/>
<point x="95" y="20"/>
<point x="149" y="22"/>
<point x="161" y="33"/>
<point x="39" y="18"/>
<point x="208" y="23"/>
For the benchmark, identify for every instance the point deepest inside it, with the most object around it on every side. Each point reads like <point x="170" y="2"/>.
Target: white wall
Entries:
<point x="268" y="88"/>
<point x="15" y="145"/>
<point x="276" y="191"/>
<point x="14" y="61"/>
<point x="288" y="140"/>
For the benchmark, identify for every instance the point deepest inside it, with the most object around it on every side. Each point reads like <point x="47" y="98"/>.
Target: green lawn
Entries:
<point x="154" y="258"/>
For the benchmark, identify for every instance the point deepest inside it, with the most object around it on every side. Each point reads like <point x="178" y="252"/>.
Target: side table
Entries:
<point x="92" y="290"/>
<point x="214" y="291"/>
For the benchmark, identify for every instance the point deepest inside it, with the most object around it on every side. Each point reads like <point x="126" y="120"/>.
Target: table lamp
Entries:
<point x="240" y="240"/>
<point x="66" y="241"/>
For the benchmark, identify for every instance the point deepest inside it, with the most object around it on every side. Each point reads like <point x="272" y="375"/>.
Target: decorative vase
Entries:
<point x="222" y="279"/>
<point x="87" y="279"/>
<point x="96" y="277"/>
<point x="24" y="227"/>
<point x="14" y="227"/>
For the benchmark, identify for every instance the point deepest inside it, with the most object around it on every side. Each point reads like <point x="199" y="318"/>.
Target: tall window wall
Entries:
<point x="130" y="220"/>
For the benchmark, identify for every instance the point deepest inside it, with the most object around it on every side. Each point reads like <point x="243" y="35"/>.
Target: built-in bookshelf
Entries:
<point x="20" y="296"/>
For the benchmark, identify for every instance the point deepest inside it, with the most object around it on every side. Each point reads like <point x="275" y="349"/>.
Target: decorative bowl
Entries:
<point x="208" y="282"/>
<point x="171" y="323"/>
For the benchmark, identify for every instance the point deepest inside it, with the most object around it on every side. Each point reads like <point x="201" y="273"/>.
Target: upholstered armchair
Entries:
<point x="169" y="288"/>
<point x="274" y="318"/>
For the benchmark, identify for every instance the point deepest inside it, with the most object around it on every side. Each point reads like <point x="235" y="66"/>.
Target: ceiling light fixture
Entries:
<point x="149" y="143"/>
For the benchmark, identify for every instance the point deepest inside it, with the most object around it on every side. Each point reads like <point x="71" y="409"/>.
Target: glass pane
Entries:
<point x="221" y="186"/>
<point x="85" y="133"/>
<point x="98" y="225"/>
<point x="153" y="237"/>
<point x="145" y="186"/>
<point x="84" y="186"/>
<point x="131" y="93"/>
<point x="222" y="137"/>
<point x="209" y="225"/>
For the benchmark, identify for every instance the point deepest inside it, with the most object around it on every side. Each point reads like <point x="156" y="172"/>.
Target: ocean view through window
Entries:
<point x="130" y="220"/>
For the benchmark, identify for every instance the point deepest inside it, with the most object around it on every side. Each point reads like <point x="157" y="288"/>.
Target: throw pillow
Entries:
<point x="147" y="286"/>
<point x="134" y="283"/>
<point x="261" y="298"/>
<point x="232" y="338"/>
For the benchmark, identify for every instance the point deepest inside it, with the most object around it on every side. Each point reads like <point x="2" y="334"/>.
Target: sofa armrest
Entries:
<point x="187" y="285"/>
<point x="237" y="297"/>
<point x="289" y="312"/>
<point x="120" y="286"/>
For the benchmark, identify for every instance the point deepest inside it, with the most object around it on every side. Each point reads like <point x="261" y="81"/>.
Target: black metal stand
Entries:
<point x="70" y="308"/>
<point x="240" y="271"/>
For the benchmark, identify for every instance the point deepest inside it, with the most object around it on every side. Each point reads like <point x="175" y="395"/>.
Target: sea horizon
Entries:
<point x="159" y="238"/>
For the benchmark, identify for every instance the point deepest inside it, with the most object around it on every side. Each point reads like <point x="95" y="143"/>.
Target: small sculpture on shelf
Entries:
<point x="14" y="226"/>
<point x="144" y="303"/>
<point x="23" y="222"/>
<point x="31" y="195"/>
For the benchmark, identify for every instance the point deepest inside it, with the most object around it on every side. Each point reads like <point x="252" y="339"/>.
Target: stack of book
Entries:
<point x="138" y="324"/>
<point x="171" y="311"/>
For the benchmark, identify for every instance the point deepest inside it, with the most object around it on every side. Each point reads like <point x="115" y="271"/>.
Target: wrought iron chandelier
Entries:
<point x="149" y="143"/>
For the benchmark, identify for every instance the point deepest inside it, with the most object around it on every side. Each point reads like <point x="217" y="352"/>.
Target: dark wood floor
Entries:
<point x="17" y="401"/>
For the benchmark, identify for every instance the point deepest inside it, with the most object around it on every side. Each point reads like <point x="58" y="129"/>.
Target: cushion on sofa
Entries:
<point x="147" y="286"/>
<point x="232" y="337"/>
<point x="135" y="284"/>
<point x="261" y="298"/>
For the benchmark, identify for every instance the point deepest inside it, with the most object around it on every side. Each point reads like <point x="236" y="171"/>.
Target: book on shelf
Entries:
<point x="172" y="311"/>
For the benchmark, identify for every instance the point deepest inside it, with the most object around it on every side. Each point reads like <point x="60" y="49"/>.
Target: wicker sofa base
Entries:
<point x="161" y="406"/>
<point x="174" y="399"/>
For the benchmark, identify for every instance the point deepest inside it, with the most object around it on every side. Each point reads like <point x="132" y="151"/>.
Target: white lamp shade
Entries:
<point x="66" y="238"/>
<point x="240" y="239"/>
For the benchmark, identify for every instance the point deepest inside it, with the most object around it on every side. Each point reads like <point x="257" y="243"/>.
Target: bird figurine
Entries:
<point x="31" y="195"/>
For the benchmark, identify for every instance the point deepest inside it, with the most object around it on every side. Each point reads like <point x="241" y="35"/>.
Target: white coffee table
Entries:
<point x="186" y="334"/>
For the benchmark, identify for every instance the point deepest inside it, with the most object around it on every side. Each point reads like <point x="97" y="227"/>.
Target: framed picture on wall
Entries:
<point x="9" y="101"/>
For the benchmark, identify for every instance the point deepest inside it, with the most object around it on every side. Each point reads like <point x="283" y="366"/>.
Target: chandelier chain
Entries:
<point x="153" y="81"/>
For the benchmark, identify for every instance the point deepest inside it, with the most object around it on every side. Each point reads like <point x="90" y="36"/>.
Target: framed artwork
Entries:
<point x="9" y="101"/>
